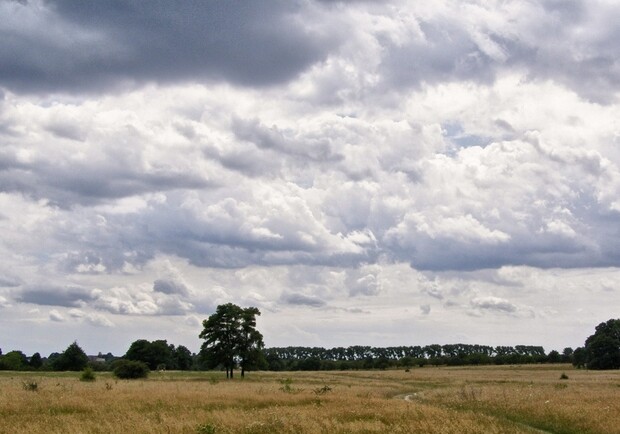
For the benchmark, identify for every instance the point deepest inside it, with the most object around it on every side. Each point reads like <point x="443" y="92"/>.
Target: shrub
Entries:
<point x="207" y="428"/>
<point x="30" y="385"/>
<point x="322" y="390"/>
<point x="286" y="386"/>
<point x="130" y="369"/>
<point x="87" y="374"/>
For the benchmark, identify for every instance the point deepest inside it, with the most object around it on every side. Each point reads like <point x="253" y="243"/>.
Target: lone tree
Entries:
<point x="603" y="347"/>
<point x="230" y="336"/>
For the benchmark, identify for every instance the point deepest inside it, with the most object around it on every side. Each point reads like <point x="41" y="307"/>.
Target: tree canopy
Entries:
<point x="13" y="361"/>
<point x="72" y="359"/>
<point x="231" y="337"/>
<point x="159" y="354"/>
<point x="155" y="354"/>
<point x="602" y="349"/>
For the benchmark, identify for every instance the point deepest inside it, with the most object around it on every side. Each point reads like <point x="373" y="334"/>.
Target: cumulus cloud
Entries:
<point x="99" y="320"/>
<point x="477" y="42"/>
<point x="92" y="318"/>
<point x="140" y="301"/>
<point x="493" y="304"/>
<point x="4" y="302"/>
<point x="363" y="282"/>
<point x="56" y="316"/>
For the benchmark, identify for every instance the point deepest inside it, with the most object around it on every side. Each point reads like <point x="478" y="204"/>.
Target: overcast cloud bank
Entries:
<point x="364" y="173"/>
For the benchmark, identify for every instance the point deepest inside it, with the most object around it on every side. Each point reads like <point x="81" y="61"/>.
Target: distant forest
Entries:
<point x="366" y="357"/>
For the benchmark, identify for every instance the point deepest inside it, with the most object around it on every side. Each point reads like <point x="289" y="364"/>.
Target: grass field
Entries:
<point x="518" y="399"/>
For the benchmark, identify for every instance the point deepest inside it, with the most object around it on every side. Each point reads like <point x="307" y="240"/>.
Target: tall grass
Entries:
<point x="439" y="400"/>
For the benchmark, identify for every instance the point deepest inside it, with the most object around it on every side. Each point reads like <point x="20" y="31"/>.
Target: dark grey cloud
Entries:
<point x="91" y="45"/>
<point x="9" y="281"/>
<point x="67" y="183"/>
<point x="294" y="298"/>
<point x="250" y="161"/>
<point x="170" y="286"/>
<point x="446" y="53"/>
<point x="525" y="248"/>
<point x="317" y="148"/>
<point x="55" y="295"/>
<point x="573" y="11"/>
<point x="61" y="45"/>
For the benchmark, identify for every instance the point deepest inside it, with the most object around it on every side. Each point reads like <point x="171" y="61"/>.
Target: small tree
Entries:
<point x="130" y="369"/>
<point x="554" y="357"/>
<point x="580" y="357"/>
<point x="250" y="341"/>
<point x="567" y="355"/>
<point x="88" y="374"/>
<point x="72" y="359"/>
<point x="35" y="361"/>
<point x="182" y="358"/>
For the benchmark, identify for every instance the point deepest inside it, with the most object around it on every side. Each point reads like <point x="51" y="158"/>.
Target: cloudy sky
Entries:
<point x="364" y="172"/>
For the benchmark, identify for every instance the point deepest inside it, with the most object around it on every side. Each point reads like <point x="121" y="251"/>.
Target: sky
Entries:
<point x="364" y="172"/>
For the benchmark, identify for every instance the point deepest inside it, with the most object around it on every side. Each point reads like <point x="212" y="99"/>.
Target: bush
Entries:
<point x="287" y="386"/>
<point x="87" y="375"/>
<point x="30" y="385"/>
<point x="130" y="369"/>
<point x="322" y="390"/>
<point x="207" y="428"/>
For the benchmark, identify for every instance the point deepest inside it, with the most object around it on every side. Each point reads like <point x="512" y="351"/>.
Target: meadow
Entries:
<point x="489" y="399"/>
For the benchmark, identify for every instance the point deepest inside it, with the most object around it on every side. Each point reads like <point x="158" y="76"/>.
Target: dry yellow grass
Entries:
<point x="439" y="400"/>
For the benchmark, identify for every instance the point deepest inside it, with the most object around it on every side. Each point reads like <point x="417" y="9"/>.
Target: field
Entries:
<point x="515" y="399"/>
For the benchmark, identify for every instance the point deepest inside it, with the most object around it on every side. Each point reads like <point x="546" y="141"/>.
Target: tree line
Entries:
<point x="159" y="355"/>
<point x="155" y="355"/>
<point x="231" y="341"/>
<point x="367" y="357"/>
